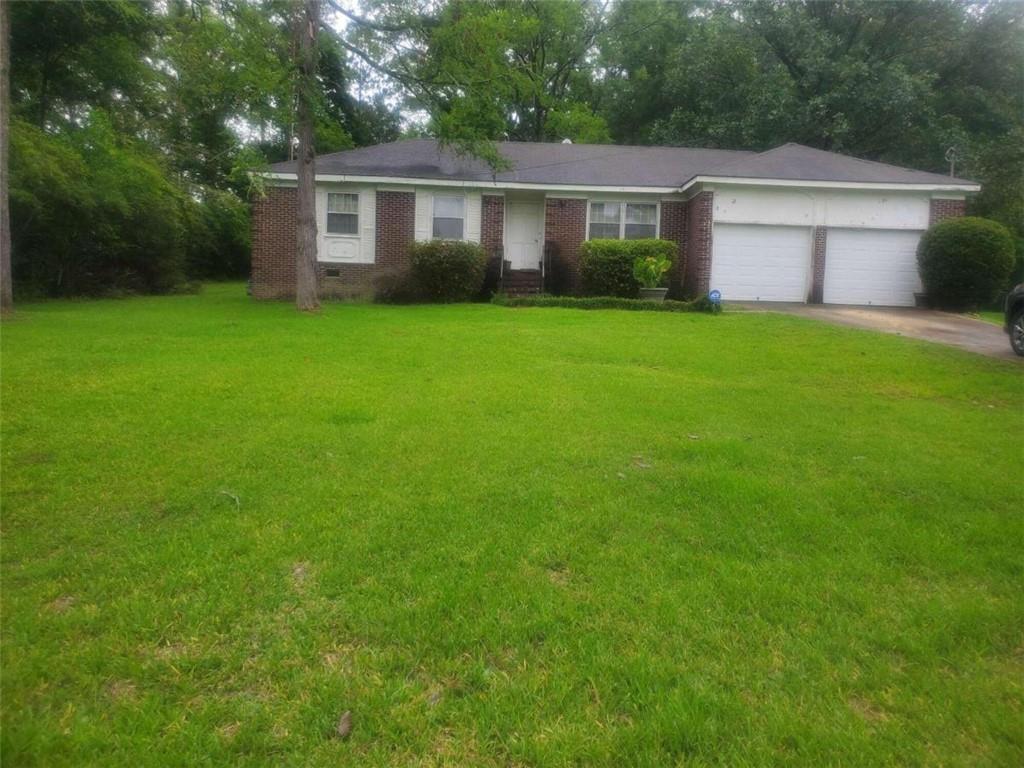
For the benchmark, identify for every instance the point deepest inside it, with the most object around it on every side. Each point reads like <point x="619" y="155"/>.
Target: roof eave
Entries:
<point x="957" y="185"/>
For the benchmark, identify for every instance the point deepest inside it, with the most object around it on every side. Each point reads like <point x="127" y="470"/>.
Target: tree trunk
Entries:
<point x="6" y="289"/>
<point x="307" y="19"/>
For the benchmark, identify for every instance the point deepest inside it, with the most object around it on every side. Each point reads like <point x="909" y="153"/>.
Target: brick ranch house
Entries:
<point x="791" y="224"/>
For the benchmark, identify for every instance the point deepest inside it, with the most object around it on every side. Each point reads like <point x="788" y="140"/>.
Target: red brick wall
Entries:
<point x="274" y="244"/>
<point x="565" y="228"/>
<point x="945" y="209"/>
<point x="492" y="223"/>
<point x="697" y="269"/>
<point x="274" y="247"/>
<point x="673" y="227"/>
<point x="396" y="229"/>
<point x="818" y="265"/>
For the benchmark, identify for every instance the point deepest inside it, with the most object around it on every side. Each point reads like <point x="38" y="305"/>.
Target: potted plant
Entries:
<point x="650" y="272"/>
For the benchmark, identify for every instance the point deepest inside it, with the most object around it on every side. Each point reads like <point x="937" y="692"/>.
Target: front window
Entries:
<point x="342" y="213"/>
<point x="449" y="217"/>
<point x="623" y="221"/>
<point x="604" y="220"/>
<point x="641" y="221"/>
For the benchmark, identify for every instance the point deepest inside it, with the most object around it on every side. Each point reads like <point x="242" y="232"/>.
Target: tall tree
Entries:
<point x="307" y="23"/>
<point x="486" y="69"/>
<point x="6" y="287"/>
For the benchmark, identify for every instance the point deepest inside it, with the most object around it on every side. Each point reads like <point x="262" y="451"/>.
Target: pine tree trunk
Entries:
<point x="307" y="19"/>
<point x="6" y="289"/>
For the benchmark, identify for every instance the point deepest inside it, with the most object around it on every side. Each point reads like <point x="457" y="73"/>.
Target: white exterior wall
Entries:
<point x="820" y="207"/>
<point x="347" y="249"/>
<point x="425" y="212"/>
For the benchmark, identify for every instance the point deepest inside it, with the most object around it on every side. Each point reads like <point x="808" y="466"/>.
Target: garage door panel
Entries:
<point x="761" y="263"/>
<point x="871" y="267"/>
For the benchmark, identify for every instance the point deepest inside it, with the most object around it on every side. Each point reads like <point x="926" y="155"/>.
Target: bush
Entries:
<point x="395" y="288"/>
<point x="702" y="304"/>
<point x="606" y="266"/>
<point x="448" y="270"/>
<point x="965" y="261"/>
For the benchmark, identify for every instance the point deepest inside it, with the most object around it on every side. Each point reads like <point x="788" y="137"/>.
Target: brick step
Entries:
<point x="522" y="282"/>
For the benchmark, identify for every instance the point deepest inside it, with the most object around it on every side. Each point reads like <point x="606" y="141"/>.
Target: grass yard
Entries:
<point x="530" y="537"/>
<point x="991" y="316"/>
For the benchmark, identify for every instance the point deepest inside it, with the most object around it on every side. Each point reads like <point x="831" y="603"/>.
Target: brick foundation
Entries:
<point x="945" y="209"/>
<point x="697" y="266"/>
<point x="565" y="228"/>
<point x="818" y="265"/>
<point x="274" y="247"/>
<point x="673" y="227"/>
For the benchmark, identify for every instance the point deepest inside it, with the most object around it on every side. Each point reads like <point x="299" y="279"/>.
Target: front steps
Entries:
<point x="522" y="282"/>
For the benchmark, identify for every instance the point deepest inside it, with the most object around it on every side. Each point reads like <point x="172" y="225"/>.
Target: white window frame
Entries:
<point x="358" y="214"/>
<point x="433" y="205"/>
<point x="622" y="213"/>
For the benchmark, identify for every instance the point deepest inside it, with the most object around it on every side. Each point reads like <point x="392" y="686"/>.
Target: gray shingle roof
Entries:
<point x="799" y="163"/>
<point x="610" y="165"/>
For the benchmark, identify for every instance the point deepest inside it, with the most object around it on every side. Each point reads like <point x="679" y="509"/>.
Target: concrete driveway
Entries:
<point x="941" y="327"/>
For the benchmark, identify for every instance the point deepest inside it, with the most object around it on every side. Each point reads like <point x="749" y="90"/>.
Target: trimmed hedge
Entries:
<point x="702" y="304"/>
<point x="965" y="261"/>
<point x="606" y="266"/>
<point x="448" y="270"/>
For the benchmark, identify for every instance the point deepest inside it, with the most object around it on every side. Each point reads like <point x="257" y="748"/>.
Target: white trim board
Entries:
<point x="604" y="189"/>
<point x="712" y="181"/>
<point x="482" y="185"/>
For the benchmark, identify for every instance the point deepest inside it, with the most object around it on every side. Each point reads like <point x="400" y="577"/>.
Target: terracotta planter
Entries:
<point x="653" y="294"/>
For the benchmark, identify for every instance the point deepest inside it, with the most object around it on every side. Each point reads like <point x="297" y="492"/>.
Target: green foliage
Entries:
<point x="91" y="214"/>
<point x="217" y="235"/>
<point x="607" y="266"/>
<point x="448" y="270"/>
<point x="965" y="261"/>
<point x="396" y="287"/>
<point x="531" y="538"/>
<point x="701" y="304"/>
<point x="649" y="271"/>
<point x="490" y="69"/>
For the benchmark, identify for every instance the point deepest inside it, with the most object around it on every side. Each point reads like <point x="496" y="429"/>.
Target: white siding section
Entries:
<point x="473" y="212"/>
<point x="347" y="249"/>
<point x="814" y="207"/>
<point x="424" y="211"/>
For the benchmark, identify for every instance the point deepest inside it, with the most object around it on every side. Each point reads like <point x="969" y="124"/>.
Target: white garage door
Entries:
<point x="751" y="262"/>
<point x="871" y="266"/>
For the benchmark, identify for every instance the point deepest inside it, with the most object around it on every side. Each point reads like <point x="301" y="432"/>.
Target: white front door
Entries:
<point x="525" y="234"/>
<point x="871" y="266"/>
<point x="754" y="262"/>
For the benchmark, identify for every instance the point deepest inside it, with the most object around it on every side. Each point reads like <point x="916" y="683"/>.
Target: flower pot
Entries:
<point x="653" y="294"/>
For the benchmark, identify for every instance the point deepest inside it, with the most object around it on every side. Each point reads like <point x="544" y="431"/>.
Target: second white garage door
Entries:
<point x="752" y="262"/>
<point x="871" y="266"/>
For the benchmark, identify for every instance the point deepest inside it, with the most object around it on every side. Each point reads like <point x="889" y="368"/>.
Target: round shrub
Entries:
<point x="965" y="261"/>
<point x="607" y="266"/>
<point x="448" y="270"/>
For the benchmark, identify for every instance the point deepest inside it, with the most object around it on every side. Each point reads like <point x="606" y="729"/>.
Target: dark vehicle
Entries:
<point x="1014" y="322"/>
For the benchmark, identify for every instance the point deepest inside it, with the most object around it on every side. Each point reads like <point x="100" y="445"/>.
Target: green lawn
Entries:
<point x="503" y="537"/>
<point x="991" y="316"/>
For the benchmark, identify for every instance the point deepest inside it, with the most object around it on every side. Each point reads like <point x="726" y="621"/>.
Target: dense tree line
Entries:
<point x="132" y="124"/>
<point x="133" y="128"/>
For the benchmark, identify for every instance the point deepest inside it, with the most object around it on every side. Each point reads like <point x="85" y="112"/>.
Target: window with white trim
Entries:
<point x="342" y="213"/>
<point x="623" y="221"/>
<point x="449" y="217"/>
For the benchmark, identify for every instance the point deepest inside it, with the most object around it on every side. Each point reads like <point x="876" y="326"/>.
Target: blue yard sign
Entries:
<point x="715" y="296"/>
